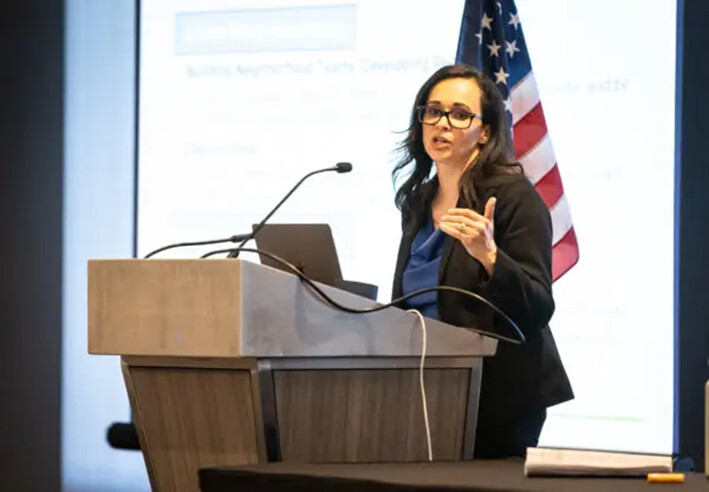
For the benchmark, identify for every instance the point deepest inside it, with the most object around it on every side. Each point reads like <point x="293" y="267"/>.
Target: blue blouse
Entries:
<point x="422" y="269"/>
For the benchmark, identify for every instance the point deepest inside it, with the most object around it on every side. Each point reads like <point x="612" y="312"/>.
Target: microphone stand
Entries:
<point x="341" y="167"/>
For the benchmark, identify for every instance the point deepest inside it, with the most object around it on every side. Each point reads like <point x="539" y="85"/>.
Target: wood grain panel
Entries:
<point x="192" y="418"/>
<point x="164" y="307"/>
<point x="370" y="415"/>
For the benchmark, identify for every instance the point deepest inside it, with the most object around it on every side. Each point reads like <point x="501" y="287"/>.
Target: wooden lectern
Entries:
<point x="228" y="362"/>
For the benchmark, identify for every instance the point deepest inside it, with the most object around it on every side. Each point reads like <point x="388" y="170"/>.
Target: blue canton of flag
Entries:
<point x="491" y="40"/>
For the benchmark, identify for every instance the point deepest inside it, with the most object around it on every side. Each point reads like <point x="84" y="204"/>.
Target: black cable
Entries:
<point x="521" y="339"/>
<point x="232" y="239"/>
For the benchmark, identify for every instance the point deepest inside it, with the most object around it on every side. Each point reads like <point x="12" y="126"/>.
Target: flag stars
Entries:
<point x="499" y="6"/>
<point x="501" y="76"/>
<point x="486" y="22"/>
<point x="480" y="37"/>
<point x="494" y="48"/>
<point x="508" y="105"/>
<point x="514" y="20"/>
<point x="511" y="48"/>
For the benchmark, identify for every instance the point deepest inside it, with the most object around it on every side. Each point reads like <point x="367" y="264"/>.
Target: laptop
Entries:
<point x="310" y="247"/>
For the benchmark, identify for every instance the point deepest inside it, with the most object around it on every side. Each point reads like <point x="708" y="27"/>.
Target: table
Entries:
<point x="490" y="475"/>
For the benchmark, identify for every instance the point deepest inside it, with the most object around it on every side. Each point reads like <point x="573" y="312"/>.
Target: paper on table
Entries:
<point x="553" y="461"/>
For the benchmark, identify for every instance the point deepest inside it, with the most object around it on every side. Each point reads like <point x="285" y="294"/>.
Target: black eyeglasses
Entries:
<point x="457" y="118"/>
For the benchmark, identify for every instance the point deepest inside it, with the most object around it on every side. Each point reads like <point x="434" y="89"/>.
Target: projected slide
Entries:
<point x="238" y="100"/>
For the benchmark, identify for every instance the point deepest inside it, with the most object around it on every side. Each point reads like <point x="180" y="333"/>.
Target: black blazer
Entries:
<point x="520" y="378"/>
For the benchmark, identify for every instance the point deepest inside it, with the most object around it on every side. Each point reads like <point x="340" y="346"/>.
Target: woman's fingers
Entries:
<point x="465" y="215"/>
<point x="463" y="228"/>
<point x="490" y="208"/>
<point x="451" y="229"/>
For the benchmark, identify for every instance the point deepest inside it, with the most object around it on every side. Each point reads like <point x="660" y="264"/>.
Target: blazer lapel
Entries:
<point x="402" y="259"/>
<point x="448" y="249"/>
<point x="448" y="244"/>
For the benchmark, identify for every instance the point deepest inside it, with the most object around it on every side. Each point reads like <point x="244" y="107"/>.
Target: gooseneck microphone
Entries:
<point x="340" y="167"/>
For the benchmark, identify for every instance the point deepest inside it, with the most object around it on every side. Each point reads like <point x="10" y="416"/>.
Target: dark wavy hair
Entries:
<point x="495" y="157"/>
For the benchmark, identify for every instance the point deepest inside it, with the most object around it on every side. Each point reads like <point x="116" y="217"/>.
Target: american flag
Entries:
<point x="491" y="39"/>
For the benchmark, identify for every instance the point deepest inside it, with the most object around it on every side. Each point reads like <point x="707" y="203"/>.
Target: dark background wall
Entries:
<point x="31" y="147"/>
<point x="31" y="202"/>
<point x="692" y="342"/>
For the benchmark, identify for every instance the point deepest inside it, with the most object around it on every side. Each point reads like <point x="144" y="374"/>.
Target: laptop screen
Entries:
<point x="310" y="247"/>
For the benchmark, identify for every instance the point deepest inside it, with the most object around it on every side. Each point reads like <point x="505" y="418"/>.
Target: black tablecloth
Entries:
<point x="504" y="475"/>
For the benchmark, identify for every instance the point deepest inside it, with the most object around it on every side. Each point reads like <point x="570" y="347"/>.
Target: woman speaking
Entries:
<point x="478" y="224"/>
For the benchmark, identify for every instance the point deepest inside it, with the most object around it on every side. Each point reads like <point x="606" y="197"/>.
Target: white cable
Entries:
<point x="423" y="387"/>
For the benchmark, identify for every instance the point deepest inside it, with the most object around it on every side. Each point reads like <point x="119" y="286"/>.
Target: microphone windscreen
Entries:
<point x="343" y="167"/>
